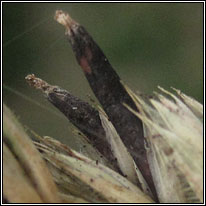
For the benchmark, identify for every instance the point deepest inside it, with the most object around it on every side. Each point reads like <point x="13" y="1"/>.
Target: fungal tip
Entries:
<point x="64" y="19"/>
<point x="37" y="83"/>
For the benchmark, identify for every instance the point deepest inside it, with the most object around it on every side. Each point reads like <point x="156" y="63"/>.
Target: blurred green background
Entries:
<point x="148" y="44"/>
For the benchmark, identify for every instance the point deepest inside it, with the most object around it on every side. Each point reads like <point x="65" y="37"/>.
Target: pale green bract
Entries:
<point x="174" y="132"/>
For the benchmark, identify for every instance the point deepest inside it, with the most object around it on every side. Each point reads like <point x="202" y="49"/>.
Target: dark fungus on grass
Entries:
<point x="108" y="89"/>
<point x="80" y="113"/>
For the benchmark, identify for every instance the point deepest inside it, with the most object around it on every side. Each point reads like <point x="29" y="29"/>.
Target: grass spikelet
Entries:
<point x="173" y="130"/>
